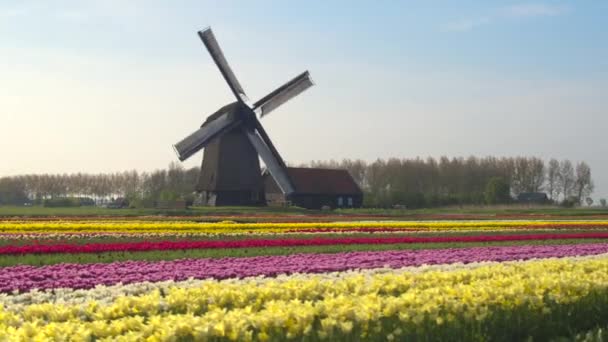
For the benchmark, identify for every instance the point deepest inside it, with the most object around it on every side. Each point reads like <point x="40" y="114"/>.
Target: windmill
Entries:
<point x="233" y="138"/>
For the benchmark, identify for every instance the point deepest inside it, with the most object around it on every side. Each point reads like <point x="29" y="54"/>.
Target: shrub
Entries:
<point x="61" y="202"/>
<point x="497" y="191"/>
<point x="569" y="202"/>
<point x="56" y="202"/>
<point x="12" y="192"/>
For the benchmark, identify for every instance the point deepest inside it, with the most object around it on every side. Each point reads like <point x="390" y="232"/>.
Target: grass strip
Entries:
<point x="468" y="212"/>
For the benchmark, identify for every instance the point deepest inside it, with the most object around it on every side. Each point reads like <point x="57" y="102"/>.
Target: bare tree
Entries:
<point x="566" y="178"/>
<point x="583" y="184"/>
<point x="537" y="175"/>
<point x="409" y="181"/>
<point x="552" y="179"/>
<point x="528" y="175"/>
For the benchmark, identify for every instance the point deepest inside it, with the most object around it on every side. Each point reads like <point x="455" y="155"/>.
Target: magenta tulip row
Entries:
<point x="25" y="278"/>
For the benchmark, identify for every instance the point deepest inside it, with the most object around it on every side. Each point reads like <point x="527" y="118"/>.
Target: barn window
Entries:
<point x="340" y="201"/>
<point x="350" y="201"/>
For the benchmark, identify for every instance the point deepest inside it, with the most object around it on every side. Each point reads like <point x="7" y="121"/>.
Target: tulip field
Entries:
<point x="147" y="279"/>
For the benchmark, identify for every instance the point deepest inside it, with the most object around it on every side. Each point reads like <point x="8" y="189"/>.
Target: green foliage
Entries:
<point x="497" y="191"/>
<point x="387" y="183"/>
<point x="168" y="195"/>
<point x="142" y="203"/>
<point x="408" y="199"/>
<point x="570" y="202"/>
<point x="369" y="201"/>
<point x="12" y="192"/>
<point x="67" y="202"/>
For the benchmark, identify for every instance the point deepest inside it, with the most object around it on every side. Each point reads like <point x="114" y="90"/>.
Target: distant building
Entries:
<point x="533" y="198"/>
<point x="315" y="188"/>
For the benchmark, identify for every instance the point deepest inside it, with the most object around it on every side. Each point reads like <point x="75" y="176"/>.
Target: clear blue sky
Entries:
<point x="110" y="85"/>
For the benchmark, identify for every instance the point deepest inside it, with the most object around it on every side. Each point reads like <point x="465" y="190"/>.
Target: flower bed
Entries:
<point x="501" y="302"/>
<point x="459" y="280"/>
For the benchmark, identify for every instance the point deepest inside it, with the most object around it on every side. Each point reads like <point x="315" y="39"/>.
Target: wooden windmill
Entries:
<point x="233" y="138"/>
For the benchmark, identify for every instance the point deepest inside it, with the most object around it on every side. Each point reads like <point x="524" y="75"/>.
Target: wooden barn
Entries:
<point x="315" y="188"/>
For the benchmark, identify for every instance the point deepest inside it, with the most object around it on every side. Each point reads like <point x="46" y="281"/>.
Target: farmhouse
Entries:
<point x="315" y="188"/>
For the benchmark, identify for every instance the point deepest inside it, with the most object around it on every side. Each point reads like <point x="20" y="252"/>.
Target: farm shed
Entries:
<point x="533" y="197"/>
<point x="315" y="188"/>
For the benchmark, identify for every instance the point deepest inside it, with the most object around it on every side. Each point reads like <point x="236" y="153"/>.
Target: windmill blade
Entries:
<point x="197" y="140"/>
<point x="266" y="138"/>
<point x="216" y="53"/>
<point x="277" y="171"/>
<point x="283" y="94"/>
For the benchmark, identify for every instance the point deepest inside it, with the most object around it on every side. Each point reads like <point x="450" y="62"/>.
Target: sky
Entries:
<point x="103" y="86"/>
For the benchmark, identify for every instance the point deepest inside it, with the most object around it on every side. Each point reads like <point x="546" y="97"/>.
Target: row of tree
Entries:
<point x="165" y="184"/>
<point x="411" y="182"/>
<point x="431" y="182"/>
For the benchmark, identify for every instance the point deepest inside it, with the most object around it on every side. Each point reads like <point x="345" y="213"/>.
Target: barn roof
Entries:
<point x="322" y="181"/>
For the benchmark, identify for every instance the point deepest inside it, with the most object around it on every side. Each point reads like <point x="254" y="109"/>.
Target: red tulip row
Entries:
<point x="178" y="245"/>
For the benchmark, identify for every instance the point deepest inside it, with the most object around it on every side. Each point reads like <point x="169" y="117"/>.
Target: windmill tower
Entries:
<point x="233" y="138"/>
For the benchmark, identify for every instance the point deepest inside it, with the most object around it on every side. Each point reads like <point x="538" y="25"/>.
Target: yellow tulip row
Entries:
<point x="228" y="228"/>
<point x="507" y="300"/>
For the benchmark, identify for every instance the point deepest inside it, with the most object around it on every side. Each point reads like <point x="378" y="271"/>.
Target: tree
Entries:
<point x="589" y="201"/>
<point x="528" y="175"/>
<point x="497" y="191"/>
<point x="552" y="179"/>
<point x="583" y="184"/>
<point x="566" y="178"/>
<point x="569" y="202"/>
<point x="409" y="181"/>
<point x="12" y="191"/>
<point x="519" y="179"/>
<point x="603" y="202"/>
<point x="537" y="175"/>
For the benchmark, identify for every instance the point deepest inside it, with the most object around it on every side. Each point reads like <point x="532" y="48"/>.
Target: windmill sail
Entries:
<point x="236" y="140"/>
<point x="283" y="94"/>
<point x="277" y="171"/>
<point x="197" y="140"/>
<point x="216" y="53"/>
<point x="266" y="138"/>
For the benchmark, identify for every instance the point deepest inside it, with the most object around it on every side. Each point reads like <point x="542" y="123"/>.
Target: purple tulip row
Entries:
<point x="25" y="278"/>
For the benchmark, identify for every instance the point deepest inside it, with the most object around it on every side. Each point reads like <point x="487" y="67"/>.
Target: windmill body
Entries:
<point x="230" y="172"/>
<point x="233" y="138"/>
